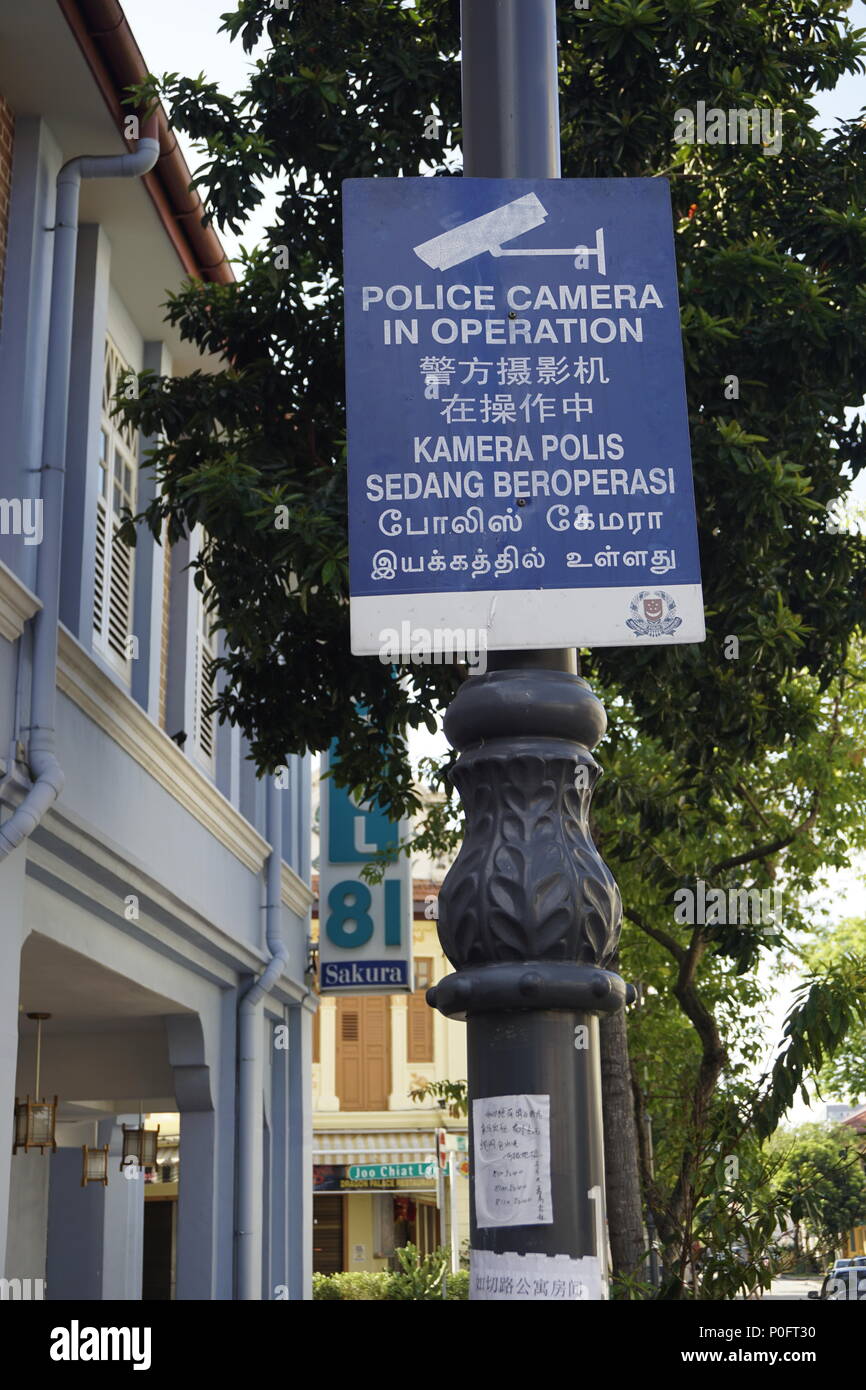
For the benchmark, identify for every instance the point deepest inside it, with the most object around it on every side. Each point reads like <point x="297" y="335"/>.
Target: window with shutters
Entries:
<point x="117" y="490"/>
<point x="364" y="1052"/>
<point x="427" y="1228"/>
<point x="420" y="1016"/>
<point x="204" y="685"/>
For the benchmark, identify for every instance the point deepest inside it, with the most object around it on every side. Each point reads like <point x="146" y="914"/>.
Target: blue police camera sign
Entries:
<point x="365" y="929"/>
<point x="519" y="465"/>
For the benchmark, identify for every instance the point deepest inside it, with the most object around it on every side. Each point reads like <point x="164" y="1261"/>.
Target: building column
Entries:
<point x="95" y="1233"/>
<point x="123" y="1220"/>
<point x="301" y="1152"/>
<point x="26" y="306"/>
<point x="277" y="1282"/>
<point x="11" y="940"/>
<point x="328" y="1098"/>
<point x="76" y="1217"/>
<point x="399" y="1097"/>
<point x="195" y="1206"/>
<point x="199" y="1153"/>
<point x="267" y="1172"/>
<point x="28" y="1216"/>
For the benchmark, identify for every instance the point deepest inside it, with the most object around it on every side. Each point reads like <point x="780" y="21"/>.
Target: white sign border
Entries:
<point x="511" y="619"/>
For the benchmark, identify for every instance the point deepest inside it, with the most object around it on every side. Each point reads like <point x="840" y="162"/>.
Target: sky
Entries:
<point x="182" y="36"/>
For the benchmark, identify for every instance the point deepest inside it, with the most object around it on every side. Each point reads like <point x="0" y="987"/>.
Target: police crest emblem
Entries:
<point x="653" y="614"/>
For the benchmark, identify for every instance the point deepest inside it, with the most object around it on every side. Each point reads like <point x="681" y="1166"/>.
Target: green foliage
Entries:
<point x="821" y="1180"/>
<point x="453" y="1094"/>
<point x="352" y="1285"/>
<point x="343" y="90"/>
<point x="699" y="1040"/>
<point x="419" y="1278"/>
<point x="735" y="1218"/>
<point x="828" y="1010"/>
<point x="458" y="1285"/>
<point x="844" y="947"/>
<point x="772" y="289"/>
<point x="740" y="772"/>
<point x="626" y="1288"/>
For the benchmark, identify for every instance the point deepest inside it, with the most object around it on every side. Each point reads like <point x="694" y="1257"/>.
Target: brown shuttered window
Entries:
<point x="364" y="1052"/>
<point x="420" y="1015"/>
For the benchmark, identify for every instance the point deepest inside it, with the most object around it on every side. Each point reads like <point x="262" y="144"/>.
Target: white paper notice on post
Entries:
<point x="533" y="1278"/>
<point x="512" y="1160"/>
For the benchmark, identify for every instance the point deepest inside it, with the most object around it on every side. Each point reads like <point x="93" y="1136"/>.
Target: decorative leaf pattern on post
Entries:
<point x="528" y="884"/>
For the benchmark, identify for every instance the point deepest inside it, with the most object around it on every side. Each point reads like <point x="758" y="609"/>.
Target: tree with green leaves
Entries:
<point x="730" y="761"/>
<point x="844" y="1076"/>
<point x="821" y="1181"/>
<point x="772" y="292"/>
<point x="698" y="1041"/>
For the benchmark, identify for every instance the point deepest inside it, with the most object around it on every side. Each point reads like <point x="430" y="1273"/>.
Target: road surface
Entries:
<point x="789" y="1288"/>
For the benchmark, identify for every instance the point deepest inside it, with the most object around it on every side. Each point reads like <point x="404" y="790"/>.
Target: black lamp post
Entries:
<point x="529" y="915"/>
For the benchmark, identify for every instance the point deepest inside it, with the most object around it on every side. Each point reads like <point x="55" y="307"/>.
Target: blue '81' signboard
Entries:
<point x="519" y="463"/>
<point x="365" y="929"/>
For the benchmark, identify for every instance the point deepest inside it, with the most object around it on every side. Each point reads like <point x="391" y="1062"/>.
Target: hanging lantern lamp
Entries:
<point x="139" y="1144"/>
<point x="94" y="1161"/>
<point x="35" y="1120"/>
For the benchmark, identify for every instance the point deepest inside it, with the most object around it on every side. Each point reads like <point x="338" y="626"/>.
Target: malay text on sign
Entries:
<point x="512" y="1160"/>
<point x="518" y="441"/>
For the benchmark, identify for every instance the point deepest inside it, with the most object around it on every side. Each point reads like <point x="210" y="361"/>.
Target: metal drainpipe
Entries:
<point x="250" y="1131"/>
<point x="42" y="755"/>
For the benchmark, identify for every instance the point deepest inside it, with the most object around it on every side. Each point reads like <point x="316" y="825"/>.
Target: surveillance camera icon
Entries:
<point x="488" y="233"/>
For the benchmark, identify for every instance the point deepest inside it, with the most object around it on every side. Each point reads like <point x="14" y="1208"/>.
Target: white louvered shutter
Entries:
<point x="204" y="724"/>
<point x="117" y="490"/>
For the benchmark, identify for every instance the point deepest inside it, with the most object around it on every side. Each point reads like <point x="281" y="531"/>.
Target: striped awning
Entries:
<point x="404" y="1146"/>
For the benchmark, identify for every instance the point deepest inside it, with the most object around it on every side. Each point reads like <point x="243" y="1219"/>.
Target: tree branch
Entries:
<point x="676" y="950"/>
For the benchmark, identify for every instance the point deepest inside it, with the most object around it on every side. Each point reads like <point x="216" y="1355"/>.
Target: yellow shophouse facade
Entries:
<point x="855" y="1240"/>
<point x="370" y="1052"/>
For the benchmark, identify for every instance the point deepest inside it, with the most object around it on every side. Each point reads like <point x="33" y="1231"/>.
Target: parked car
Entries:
<point x="845" y="1281"/>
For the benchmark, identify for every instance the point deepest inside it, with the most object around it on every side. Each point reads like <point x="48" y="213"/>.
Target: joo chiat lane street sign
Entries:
<point x="365" y="929"/>
<point x="519" y="463"/>
<point x="379" y="1171"/>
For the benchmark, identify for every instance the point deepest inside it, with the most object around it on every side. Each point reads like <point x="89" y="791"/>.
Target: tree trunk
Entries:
<point x="622" y="1179"/>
